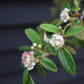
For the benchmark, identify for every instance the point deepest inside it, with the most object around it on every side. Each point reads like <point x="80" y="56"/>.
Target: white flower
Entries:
<point x="64" y="16"/>
<point x="31" y="66"/>
<point x="28" y="60"/>
<point x="46" y="39"/>
<point x="39" y="46"/>
<point x="57" y="41"/>
<point x="66" y="10"/>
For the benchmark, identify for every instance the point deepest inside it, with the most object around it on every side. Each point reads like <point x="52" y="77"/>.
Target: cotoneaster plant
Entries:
<point x="54" y="43"/>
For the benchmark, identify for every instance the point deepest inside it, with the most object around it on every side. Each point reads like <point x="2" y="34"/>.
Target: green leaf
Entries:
<point x="25" y="76"/>
<point x="41" y="70"/>
<point x="74" y="30"/>
<point x="70" y="14"/>
<point x="66" y="61"/>
<point x="50" y="28"/>
<point x="57" y="22"/>
<point x="30" y="80"/>
<point x="32" y="35"/>
<point x="77" y="42"/>
<point x="24" y="48"/>
<point x="53" y="50"/>
<point x="44" y="44"/>
<point x="67" y="6"/>
<point x="75" y="21"/>
<point x="70" y="49"/>
<point x="48" y="64"/>
<point x="81" y="34"/>
<point x="37" y="54"/>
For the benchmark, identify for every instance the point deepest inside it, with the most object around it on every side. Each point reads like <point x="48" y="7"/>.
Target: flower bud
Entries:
<point x="39" y="46"/>
<point x="34" y="44"/>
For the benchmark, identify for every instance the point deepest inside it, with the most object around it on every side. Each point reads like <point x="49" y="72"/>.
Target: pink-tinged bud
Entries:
<point x="31" y="53"/>
<point x="25" y="54"/>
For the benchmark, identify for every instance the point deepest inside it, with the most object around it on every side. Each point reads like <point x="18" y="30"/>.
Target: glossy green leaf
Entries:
<point x="53" y="50"/>
<point x="44" y="44"/>
<point x="50" y="28"/>
<point x="24" y="48"/>
<point x="66" y="61"/>
<point x="68" y="6"/>
<point x="74" y="30"/>
<point x="41" y="70"/>
<point x="48" y="64"/>
<point x="37" y="54"/>
<point x="32" y="35"/>
<point x="25" y="76"/>
<point x="30" y="80"/>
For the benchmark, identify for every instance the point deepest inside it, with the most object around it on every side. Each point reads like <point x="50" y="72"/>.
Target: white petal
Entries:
<point x="66" y="9"/>
<point x="65" y="20"/>
<point x="58" y="37"/>
<point x="46" y="39"/>
<point x="66" y="14"/>
<point x="50" y="41"/>
<point x="57" y="42"/>
<point x="33" y="63"/>
<point x="53" y="44"/>
<point x="30" y="68"/>
<point x="25" y="65"/>
<point x="68" y="17"/>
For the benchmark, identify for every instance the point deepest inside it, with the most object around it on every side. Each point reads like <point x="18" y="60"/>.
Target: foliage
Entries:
<point x="55" y="41"/>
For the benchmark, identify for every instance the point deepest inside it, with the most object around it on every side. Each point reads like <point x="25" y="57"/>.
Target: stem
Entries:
<point x="37" y="60"/>
<point x="77" y="12"/>
<point x="39" y="50"/>
<point x="66" y="26"/>
<point x="62" y="32"/>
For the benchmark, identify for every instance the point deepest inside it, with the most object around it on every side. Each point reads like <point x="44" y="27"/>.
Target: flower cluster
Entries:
<point x="55" y="37"/>
<point x="56" y="40"/>
<point x="28" y="60"/>
<point x="64" y="16"/>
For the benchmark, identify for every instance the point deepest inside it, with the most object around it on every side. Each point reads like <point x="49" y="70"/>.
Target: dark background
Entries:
<point x="15" y="17"/>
